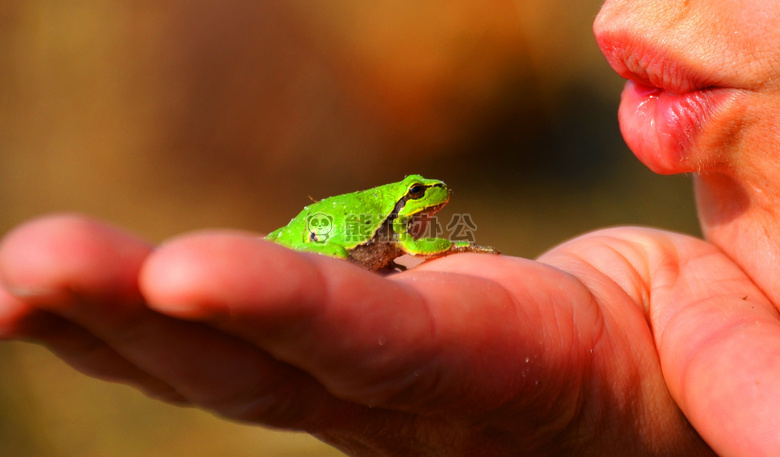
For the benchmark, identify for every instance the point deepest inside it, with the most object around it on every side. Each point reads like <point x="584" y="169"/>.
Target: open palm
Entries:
<point x="597" y="348"/>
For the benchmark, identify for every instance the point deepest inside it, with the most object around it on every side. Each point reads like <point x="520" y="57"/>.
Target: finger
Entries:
<point x="77" y="347"/>
<point x="411" y="342"/>
<point x="16" y="318"/>
<point x="79" y="278"/>
<point x="48" y="259"/>
<point x="39" y="262"/>
<point x="721" y="355"/>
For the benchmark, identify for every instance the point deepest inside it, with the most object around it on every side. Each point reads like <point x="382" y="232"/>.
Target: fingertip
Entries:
<point x="184" y="276"/>
<point x="26" y="253"/>
<point x="19" y="320"/>
<point x="171" y="280"/>
<point x="216" y="274"/>
<point x="58" y="253"/>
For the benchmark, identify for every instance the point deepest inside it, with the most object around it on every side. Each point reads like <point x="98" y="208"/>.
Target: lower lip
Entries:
<point x="661" y="128"/>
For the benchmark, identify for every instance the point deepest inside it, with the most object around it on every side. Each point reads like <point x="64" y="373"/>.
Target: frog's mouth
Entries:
<point x="418" y="224"/>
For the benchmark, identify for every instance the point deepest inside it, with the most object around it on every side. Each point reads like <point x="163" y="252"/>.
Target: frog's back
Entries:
<point x="355" y="218"/>
<point x="352" y="218"/>
<point x="348" y="220"/>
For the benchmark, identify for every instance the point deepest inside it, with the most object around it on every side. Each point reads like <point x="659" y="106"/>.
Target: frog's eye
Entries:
<point x="416" y="191"/>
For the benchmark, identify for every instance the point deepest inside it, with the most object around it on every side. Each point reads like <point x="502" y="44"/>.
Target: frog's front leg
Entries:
<point x="439" y="247"/>
<point x="424" y="246"/>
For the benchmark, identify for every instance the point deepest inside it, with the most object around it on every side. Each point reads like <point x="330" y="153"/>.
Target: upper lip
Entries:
<point x="641" y="62"/>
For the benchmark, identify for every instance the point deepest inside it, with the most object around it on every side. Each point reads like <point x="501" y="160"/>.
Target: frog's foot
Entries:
<point x="465" y="246"/>
<point x="396" y="266"/>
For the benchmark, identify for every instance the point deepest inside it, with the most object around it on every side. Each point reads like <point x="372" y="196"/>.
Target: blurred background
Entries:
<point x="167" y="116"/>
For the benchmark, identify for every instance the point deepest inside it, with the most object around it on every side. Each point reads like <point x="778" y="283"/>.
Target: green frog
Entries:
<point x="373" y="227"/>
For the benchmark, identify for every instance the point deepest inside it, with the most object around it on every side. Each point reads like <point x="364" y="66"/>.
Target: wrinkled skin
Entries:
<point x="621" y="342"/>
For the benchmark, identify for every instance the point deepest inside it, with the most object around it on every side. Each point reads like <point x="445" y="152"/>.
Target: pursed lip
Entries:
<point x="638" y="61"/>
<point x="666" y="103"/>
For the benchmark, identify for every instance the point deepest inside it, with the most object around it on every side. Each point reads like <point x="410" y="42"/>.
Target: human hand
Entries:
<point x="465" y="355"/>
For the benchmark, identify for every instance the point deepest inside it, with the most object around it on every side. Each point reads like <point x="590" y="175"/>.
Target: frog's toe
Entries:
<point x="465" y="246"/>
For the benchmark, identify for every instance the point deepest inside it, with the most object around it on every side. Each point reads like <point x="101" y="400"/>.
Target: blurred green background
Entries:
<point x="169" y="115"/>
